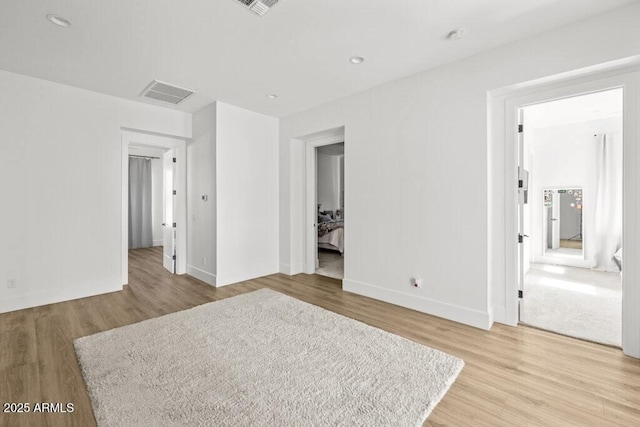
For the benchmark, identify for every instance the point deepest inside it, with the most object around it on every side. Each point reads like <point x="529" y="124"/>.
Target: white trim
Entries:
<point x="285" y="269"/>
<point x="631" y="219"/>
<point x="158" y="242"/>
<point x="503" y="110"/>
<point x="154" y="139"/>
<point x="456" y="313"/>
<point x="13" y="303"/>
<point x="498" y="315"/>
<point x="297" y="268"/>
<point x="140" y="132"/>
<point x="199" y="274"/>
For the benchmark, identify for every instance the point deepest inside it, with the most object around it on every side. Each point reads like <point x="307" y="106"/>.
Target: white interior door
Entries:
<point x="169" y="211"/>
<point x="315" y="198"/>
<point x="521" y="218"/>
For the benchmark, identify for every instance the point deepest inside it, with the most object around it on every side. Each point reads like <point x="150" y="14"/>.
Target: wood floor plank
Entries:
<point x="17" y="339"/>
<point x="513" y="376"/>
<point x="60" y="377"/>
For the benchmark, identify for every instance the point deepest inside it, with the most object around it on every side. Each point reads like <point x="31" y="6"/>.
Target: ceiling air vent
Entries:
<point x="165" y="92"/>
<point x="259" y="7"/>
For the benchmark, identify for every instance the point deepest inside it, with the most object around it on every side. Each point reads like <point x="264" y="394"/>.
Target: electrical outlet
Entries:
<point x="12" y="283"/>
<point x="416" y="282"/>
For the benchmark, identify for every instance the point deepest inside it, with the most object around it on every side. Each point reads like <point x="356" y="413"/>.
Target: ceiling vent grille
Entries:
<point x="259" y="7"/>
<point x="165" y="92"/>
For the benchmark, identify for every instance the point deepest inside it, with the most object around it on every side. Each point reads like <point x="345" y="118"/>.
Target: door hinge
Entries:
<point x="520" y="295"/>
<point x="174" y="160"/>
<point x="175" y="192"/>
<point x="520" y="128"/>
<point x="174" y="225"/>
<point x="520" y="238"/>
<point x="173" y="257"/>
<point x="520" y="183"/>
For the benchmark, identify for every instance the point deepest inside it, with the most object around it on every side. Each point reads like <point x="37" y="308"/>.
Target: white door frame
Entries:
<point x="311" y="218"/>
<point x="152" y="139"/>
<point x="629" y="79"/>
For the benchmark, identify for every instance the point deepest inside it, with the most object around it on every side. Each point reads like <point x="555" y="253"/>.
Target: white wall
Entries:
<point x="60" y="168"/>
<point x="247" y="194"/>
<point x="419" y="148"/>
<point x="201" y="181"/>
<point x="565" y="157"/>
<point x="328" y="181"/>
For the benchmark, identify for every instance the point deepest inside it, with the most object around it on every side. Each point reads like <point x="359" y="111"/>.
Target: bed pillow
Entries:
<point x="324" y="217"/>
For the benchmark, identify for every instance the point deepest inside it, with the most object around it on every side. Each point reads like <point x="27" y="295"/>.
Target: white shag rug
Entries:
<point x="261" y="359"/>
<point x="573" y="301"/>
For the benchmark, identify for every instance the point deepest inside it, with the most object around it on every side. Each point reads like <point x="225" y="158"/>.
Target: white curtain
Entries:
<point x="140" y="214"/>
<point x="608" y="201"/>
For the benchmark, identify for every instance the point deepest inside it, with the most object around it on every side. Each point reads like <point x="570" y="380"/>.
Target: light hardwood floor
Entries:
<point x="573" y="244"/>
<point x="513" y="376"/>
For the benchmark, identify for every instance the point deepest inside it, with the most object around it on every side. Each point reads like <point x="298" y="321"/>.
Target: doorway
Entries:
<point x="164" y="159"/>
<point x="570" y="215"/>
<point x="330" y="210"/>
<point x="151" y="207"/>
<point x="327" y="220"/>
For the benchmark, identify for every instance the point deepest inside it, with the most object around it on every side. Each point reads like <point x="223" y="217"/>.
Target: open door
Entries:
<point x="169" y="213"/>
<point x="522" y="199"/>
<point x="315" y="198"/>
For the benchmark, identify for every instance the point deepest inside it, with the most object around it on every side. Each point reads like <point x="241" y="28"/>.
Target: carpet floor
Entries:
<point x="261" y="359"/>
<point x="573" y="301"/>
<point x="331" y="264"/>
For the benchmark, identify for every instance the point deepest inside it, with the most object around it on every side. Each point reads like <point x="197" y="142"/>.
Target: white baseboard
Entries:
<point x="456" y="313"/>
<point x="199" y="274"/>
<point x="19" y="302"/>
<point x="159" y="242"/>
<point x="293" y="269"/>
<point x="499" y="315"/>
<point x="285" y="269"/>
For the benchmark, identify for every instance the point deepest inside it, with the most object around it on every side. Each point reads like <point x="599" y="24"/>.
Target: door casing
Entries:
<point x="153" y="139"/>
<point x="627" y="78"/>
<point x="311" y="252"/>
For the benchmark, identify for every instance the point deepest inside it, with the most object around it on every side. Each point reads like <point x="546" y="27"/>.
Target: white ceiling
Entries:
<point x="299" y="50"/>
<point x="577" y="109"/>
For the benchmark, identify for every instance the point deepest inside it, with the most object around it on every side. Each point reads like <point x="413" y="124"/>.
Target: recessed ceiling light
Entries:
<point x="272" y="96"/>
<point x="58" y="20"/>
<point x="356" y="59"/>
<point x="456" y="34"/>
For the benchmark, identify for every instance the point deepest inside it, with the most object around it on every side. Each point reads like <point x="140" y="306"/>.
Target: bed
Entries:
<point x="331" y="234"/>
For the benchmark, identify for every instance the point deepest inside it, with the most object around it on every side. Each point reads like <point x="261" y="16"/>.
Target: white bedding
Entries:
<point x="334" y="238"/>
